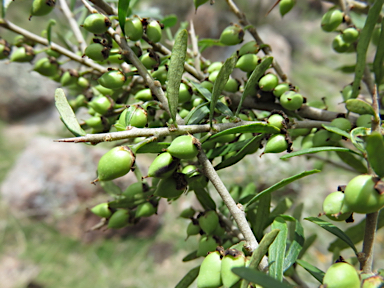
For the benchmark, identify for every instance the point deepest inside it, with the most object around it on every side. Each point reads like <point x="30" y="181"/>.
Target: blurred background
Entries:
<point x="45" y="237"/>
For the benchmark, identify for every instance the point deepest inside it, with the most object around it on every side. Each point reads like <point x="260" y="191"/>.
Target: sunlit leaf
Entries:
<point x="337" y="131"/>
<point x="314" y="271"/>
<point x="249" y="128"/>
<point x="122" y="11"/>
<point x="259" y="278"/>
<point x="295" y="247"/>
<point x="276" y="252"/>
<point x="169" y="21"/>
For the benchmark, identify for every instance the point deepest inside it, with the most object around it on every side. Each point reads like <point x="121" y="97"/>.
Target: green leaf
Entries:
<point x="49" y="30"/>
<point x="254" y="79"/>
<point x="359" y="106"/>
<point x="314" y="271"/>
<point x="122" y="12"/>
<point x="352" y="161"/>
<point x="295" y="248"/>
<point x="307" y="243"/>
<point x="199" y="3"/>
<point x="153" y="147"/>
<point x="206" y="43"/>
<point x="262" y="249"/>
<point x="202" y="90"/>
<point x="176" y="70"/>
<point x="316" y="150"/>
<point x="379" y="58"/>
<point x="259" y="278"/>
<point x="334" y="230"/>
<point x="347" y="68"/>
<point x="197" y="114"/>
<point x="355" y="233"/>
<point x="188" y="278"/>
<point x="362" y="45"/>
<point x="337" y="131"/>
<point x="282" y="206"/>
<point x="111" y="188"/>
<point x="204" y="198"/>
<point x="258" y="127"/>
<point x="356" y="137"/>
<point x="281" y="184"/>
<point x="276" y="251"/>
<point x="221" y="80"/>
<point x="259" y="222"/>
<point x="4" y="7"/>
<point x="191" y="256"/>
<point x="375" y="151"/>
<point x="169" y="21"/>
<point x="225" y="149"/>
<point x="66" y="113"/>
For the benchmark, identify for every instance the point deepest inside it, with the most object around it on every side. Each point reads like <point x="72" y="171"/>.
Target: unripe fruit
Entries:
<point x="331" y="20"/>
<point x="96" y="123"/>
<point x="5" y="50"/>
<point x="46" y="67"/>
<point x="376" y="281"/>
<point x="280" y="89"/>
<point x="341" y="275"/>
<point x="163" y="166"/>
<point x="53" y="53"/>
<point x="247" y="62"/>
<point x="187" y="213"/>
<point x="350" y="35"/>
<point x="97" y="52"/>
<point x="137" y="117"/>
<point x="291" y="100"/>
<point x="232" y="85"/>
<point x="364" y="120"/>
<point x="145" y="210"/>
<point x="115" y="163"/>
<point x="276" y="120"/>
<point x="347" y="92"/>
<point x="112" y="79"/>
<point x="232" y="35"/>
<point x="361" y="195"/>
<point x="150" y="60"/>
<point x="210" y="271"/>
<point x="268" y="82"/>
<point x="169" y="188"/>
<point x="133" y="189"/>
<point x="42" y="7"/>
<point x="97" y="23"/>
<point x="232" y="259"/>
<point x="184" y="93"/>
<point x="207" y="85"/>
<point x="144" y="95"/>
<point x="100" y="104"/>
<point x="215" y="66"/>
<point x="23" y="54"/>
<point x="153" y="31"/>
<point x="276" y="144"/>
<point x="249" y="48"/>
<point x="69" y="77"/>
<point x="193" y="229"/>
<point x="133" y="29"/>
<point x="209" y="221"/>
<point x="160" y="74"/>
<point x="334" y="208"/>
<point x="342" y="124"/>
<point x="322" y="138"/>
<point x="119" y="219"/>
<point x="102" y="210"/>
<point x="183" y="147"/>
<point x="212" y="77"/>
<point x="285" y="6"/>
<point x="339" y="45"/>
<point x="206" y="244"/>
<point x="307" y="141"/>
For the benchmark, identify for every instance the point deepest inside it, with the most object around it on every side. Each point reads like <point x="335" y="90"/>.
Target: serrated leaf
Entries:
<point x="122" y="12"/>
<point x="111" y="188"/>
<point x="362" y="45"/>
<point x="253" y="80"/>
<point x="359" y="106"/>
<point x="356" y="137"/>
<point x="176" y="70"/>
<point x="379" y="58"/>
<point x="295" y="248"/>
<point x="352" y="161"/>
<point x="314" y="271"/>
<point x="337" y="131"/>
<point x="153" y="147"/>
<point x="249" y="128"/>
<point x="281" y="184"/>
<point x="188" y="279"/>
<point x="191" y="256"/>
<point x="375" y="150"/>
<point x="66" y="113"/>
<point x="169" y="21"/>
<point x="49" y="30"/>
<point x="259" y="278"/>
<point x="196" y="115"/>
<point x="221" y="80"/>
<point x="355" y="233"/>
<point x="334" y="230"/>
<point x="276" y="251"/>
<point x="317" y="150"/>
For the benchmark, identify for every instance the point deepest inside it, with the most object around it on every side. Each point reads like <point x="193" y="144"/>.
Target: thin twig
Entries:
<point x="109" y="10"/>
<point x="195" y="48"/>
<point x="74" y="26"/>
<point x="368" y="243"/>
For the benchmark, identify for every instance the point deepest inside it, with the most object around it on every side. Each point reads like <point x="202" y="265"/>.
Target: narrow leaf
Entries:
<point x="359" y="106"/>
<point x="379" y="58"/>
<point x="356" y="137"/>
<point x="258" y="127"/>
<point x="221" y="80"/>
<point x="122" y="7"/>
<point x="169" y="21"/>
<point x="49" y="30"/>
<point x="259" y="222"/>
<point x="314" y="271"/>
<point x="203" y="91"/>
<point x="225" y="149"/>
<point x="197" y="114"/>
<point x="259" y="278"/>
<point x="188" y="278"/>
<point x="153" y="147"/>
<point x="176" y="70"/>
<point x="337" y="131"/>
<point x="281" y="184"/>
<point x="375" y="151"/>
<point x="66" y="113"/>
<point x="254" y="79"/>
<point x="204" y="198"/>
<point x="4" y="7"/>
<point x="191" y="256"/>
<point x="316" y="150"/>
<point x="295" y="248"/>
<point x="334" y="230"/>
<point x="362" y="45"/>
<point x="352" y="161"/>
<point x="276" y="251"/>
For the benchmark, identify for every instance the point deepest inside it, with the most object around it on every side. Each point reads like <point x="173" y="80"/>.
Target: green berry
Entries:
<point x="276" y="144"/>
<point x="46" y="67"/>
<point x="150" y="60"/>
<point x="134" y="116"/>
<point x="53" y="53"/>
<point x="153" y="31"/>
<point x="212" y="77"/>
<point x="247" y="62"/>
<point x="160" y="74"/>
<point x="210" y="271"/>
<point x="113" y="79"/>
<point x="268" y="82"/>
<point x="145" y="210"/>
<point x="322" y="138"/>
<point x="187" y="213"/>
<point x="183" y="147"/>
<point x="115" y="163"/>
<point x="184" y="93"/>
<point x="364" y="120"/>
<point x="232" y="85"/>
<point x="5" y="49"/>
<point x="69" y="77"/>
<point x="341" y="275"/>
<point x="342" y="124"/>
<point x="232" y="35"/>
<point x="163" y="166"/>
<point x="209" y="221"/>
<point x="331" y="20"/>
<point x="96" y="123"/>
<point x="249" y="48"/>
<point x="144" y="95"/>
<point x="97" y="52"/>
<point x="285" y="6"/>
<point x="102" y="210"/>
<point x="347" y="92"/>
<point x="100" y="104"/>
<point x="170" y="188"/>
<point x="133" y="29"/>
<point x="291" y="100"/>
<point x="280" y="89"/>
<point x="307" y="141"/>
<point x="339" y="45"/>
<point x="23" y="54"/>
<point x="215" y="66"/>
<point x="97" y="23"/>
<point x="193" y="229"/>
<point x="350" y="35"/>
<point x="276" y="120"/>
<point x="334" y="208"/>
<point x="42" y="7"/>
<point x="232" y="259"/>
<point x="119" y="219"/>
<point x="206" y="244"/>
